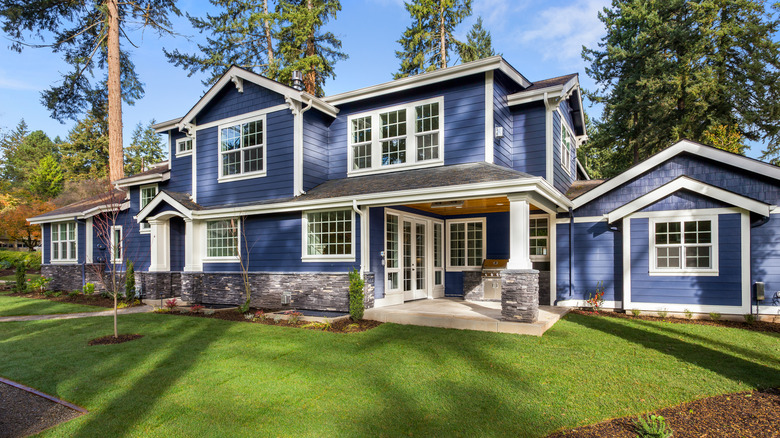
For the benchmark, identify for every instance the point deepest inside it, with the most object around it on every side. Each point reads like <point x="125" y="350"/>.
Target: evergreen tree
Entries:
<point x="87" y="34"/>
<point x="478" y="45"/>
<point x="145" y="149"/>
<point x="46" y="181"/>
<point x="240" y="34"/>
<point x="424" y="44"/>
<point x="679" y="69"/>
<point x="21" y="158"/>
<point x="85" y="153"/>
<point x="303" y="46"/>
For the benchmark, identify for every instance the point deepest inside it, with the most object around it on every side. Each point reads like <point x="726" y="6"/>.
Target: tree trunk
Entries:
<point x="310" y="77"/>
<point x="268" y="40"/>
<point x="115" y="156"/>
<point x="116" y="333"/>
<point x="442" y="35"/>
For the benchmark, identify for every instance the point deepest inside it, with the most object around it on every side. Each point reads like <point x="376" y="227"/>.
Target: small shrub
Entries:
<point x="636" y="312"/>
<point x="356" y="306"/>
<point x="596" y="299"/>
<point x="39" y="284"/>
<point x="294" y="317"/>
<point x="56" y="294"/>
<point x="749" y="318"/>
<point x="244" y="308"/>
<point x="48" y="293"/>
<point x="21" y="278"/>
<point x="688" y="314"/>
<point x="277" y="318"/>
<point x="196" y="308"/>
<point x="248" y="316"/>
<point x="652" y="426"/>
<point x="89" y="289"/>
<point x="170" y="304"/>
<point x="74" y="293"/>
<point x="162" y="310"/>
<point x="209" y="311"/>
<point x="662" y="313"/>
<point x="122" y="305"/>
<point x="260" y="316"/>
<point x="352" y="327"/>
<point x="327" y="325"/>
<point x="130" y="282"/>
<point x="714" y="316"/>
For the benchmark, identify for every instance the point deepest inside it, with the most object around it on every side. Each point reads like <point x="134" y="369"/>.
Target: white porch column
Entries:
<point x="192" y="246"/>
<point x="160" y="246"/>
<point x="519" y="224"/>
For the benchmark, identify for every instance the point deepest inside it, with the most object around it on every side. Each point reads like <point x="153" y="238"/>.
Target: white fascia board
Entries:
<point x="145" y="179"/>
<point x="695" y="186"/>
<point x="157" y="200"/>
<point x="166" y="126"/>
<point x="79" y="215"/>
<point x="236" y="72"/>
<point x="562" y="91"/>
<point x="465" y="191"/>
<point x="436" y="76"/>
<point x="582" y="169"/>
<point x="682" y="146"/>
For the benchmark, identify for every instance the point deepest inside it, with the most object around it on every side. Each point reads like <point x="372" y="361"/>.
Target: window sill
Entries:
<point x="183" y="154"/>
<point x="326" y="259"/>
<point x="395" y="168"/>
<point x="221" y="260"/>
<point x="684" y="273"/>
<point x="145" y="231"/>
<point x="63" y="262"/>
<point x="231" y="178"/>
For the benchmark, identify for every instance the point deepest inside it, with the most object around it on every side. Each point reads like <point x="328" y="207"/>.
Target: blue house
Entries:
<point x="424" y="184"/>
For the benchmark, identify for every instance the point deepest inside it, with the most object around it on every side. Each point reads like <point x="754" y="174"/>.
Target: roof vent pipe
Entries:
<point x="297" y="80"/>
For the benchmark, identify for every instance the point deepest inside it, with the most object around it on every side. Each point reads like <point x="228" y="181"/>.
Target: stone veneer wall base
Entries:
<point x="520" y="295"/>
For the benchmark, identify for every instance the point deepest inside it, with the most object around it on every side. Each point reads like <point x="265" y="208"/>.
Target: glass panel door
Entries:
<point x="420" y="237"/>
<point x="407" y="259"/>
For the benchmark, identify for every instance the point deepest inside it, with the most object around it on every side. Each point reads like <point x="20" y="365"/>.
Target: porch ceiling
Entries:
<point x="469" y="206"/>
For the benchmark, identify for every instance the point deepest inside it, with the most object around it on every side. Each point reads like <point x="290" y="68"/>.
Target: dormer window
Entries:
<point x="405" y="136"/>
<point x="184" y="146"/>
<point x="242" y="150"/>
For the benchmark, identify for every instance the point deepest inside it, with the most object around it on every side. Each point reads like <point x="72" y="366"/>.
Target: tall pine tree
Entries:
<point x="426" y="42"/>
<point x="85" y="152"/>
<point x="676" y="69"/>
<point x="46" y="180"/>
<point x="145" y="148"/>
<point x="478" y="45"/>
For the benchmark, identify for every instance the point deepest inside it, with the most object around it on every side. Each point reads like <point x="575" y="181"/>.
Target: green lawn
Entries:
<point x="16" y="306"/>
<point x="199" y="377"/>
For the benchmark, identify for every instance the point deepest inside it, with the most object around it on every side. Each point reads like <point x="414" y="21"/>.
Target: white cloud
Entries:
<point x="496" y="13"/>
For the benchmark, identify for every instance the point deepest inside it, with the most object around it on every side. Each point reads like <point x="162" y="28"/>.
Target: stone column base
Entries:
<point x="159" y="285"/>
<point x="368" y="290"/>
<point x="520" y="295"/>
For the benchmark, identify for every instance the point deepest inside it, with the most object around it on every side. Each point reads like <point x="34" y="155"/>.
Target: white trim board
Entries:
<point x="489" y="122"/>
<point x="680" y="147"/>
<point x="157" y="200"/>
<point x="698" y="187"/>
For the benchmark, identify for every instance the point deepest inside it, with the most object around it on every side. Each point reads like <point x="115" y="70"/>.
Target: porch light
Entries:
<point x="447" y="204"/>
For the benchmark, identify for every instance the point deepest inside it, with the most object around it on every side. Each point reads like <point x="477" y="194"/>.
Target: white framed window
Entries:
<point x="222" y="240"/>
<point x="63" y="242"/>
<point x="539" y="238"/>
<point x="392" y="252"/>
<point x="116" y="244"/>
<point x="467" y="245"/>
<point x="147" y="193"/>
<point x="328" y="236"/>
<point x="684" y="245"/>
<point x="242" y="152"/>
<point x="403" y="136"/>
<point x="184" y="146"/>
<point x="567" y="141"/>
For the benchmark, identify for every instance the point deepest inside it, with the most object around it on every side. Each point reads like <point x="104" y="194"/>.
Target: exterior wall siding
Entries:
<point x="685" y="200"/>
<point x="562" y="180"/>
<point x="315" y="153"/>
<point x="725" y="289"/>
<point x="502" y="116"/>
<point x="230" y="103"/>
<point x="528" y="139"/>
<point x="181" y="167"/>
<point x="596" y="257"/>
<point x="177" y="244"/>
<point x="377" y="245"/>
<point x="765" y="259"/>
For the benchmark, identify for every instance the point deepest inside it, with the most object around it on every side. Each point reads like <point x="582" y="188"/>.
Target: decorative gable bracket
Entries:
<point x="239" y="83"/>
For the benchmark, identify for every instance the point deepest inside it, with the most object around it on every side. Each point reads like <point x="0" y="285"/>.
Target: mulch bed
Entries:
<point x="757" y="326"/>
<point x="110" y="339"/>
<point x="341" y="326"/>
<point x="23" y="413"/>
<point x="744" y="414"/>
<point x="88" y="300"/>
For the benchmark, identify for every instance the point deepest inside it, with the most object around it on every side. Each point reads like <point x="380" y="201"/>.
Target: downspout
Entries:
<point x="571" y="250"/>
<point x="362" y="235"/>
<point x="84" y="263"/>
<point x="758" y="223"/>
<point x="299" y="149"/>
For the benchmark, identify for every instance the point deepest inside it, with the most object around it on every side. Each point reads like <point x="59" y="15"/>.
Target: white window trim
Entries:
<point x="411" y="143"/>
<point x="448" y="244"/>
<point x="305" y="257"/>
<point x="565" y="127"/>
<point x="241" y="176"/>
<point x="544" y="258"/>
<point x="141" y="228"/>
<point x="205" y="236"/>
<point x="179" y="152"/>
<point x="61" y="261"/>
<point x="114" y="243"/>
<point x="686" y="272"/>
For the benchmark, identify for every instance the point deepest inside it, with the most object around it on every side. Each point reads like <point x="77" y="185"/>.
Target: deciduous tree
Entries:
<point x="13" y="220"/>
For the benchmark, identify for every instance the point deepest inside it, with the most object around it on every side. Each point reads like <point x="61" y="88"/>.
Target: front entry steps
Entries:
<point x="464" y="315"/>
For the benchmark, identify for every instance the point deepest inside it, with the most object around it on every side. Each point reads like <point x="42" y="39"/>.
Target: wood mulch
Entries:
<point x="744" y="414"/>
<point x="757" y="326"/>
<point x="340" y="326"/>
<point x="88" y="300"/>
<point x="110" y="339"/>
<point x="23" y="413"/>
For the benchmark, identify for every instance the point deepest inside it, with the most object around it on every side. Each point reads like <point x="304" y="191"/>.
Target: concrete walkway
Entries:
<point x="465" y="315"/>
<point x="126" y="311"/>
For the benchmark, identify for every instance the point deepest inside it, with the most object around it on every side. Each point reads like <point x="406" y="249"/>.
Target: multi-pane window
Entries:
<point x="683" y="245"/>
<point x="116" y="244"/>
<point x="538" y="232"/>
<point x="391" y="254"/>
<point x="222" y="238"/>
<point x="329" y="233"/>
<point x="467" y="244"/>
<point x="438" y="255"/>
<point x="184" y="145"/>
<point x="63" y="241"/>
<point x="147" y="194"/>
<point x="242" y="148"/>
<point x="566" y="146"/>
<point x="405" y="135"/>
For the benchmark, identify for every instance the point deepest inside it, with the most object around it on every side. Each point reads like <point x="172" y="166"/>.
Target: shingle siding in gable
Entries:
<point x="464" y="121"/>
<point x="278" y="182"/>
<point x="315" y="148"/>
<point x="685" y="200"/>
<point x="529" y="139"/>
<point x="717" y="174"/>
<point x="502" y="116"/>
<point x="230" y="103"/>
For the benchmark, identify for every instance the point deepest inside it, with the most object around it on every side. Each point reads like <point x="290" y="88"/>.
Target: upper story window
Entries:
<point x="147" y="194"/>
<point x="63" y="242"/>
<point x="566" y="147"/>
<point x="683" y="246"/>
<point x="328" y="235"/>
<point x="242" y="150"/>
<point x="408" y="135"/>
<point x="184" y="146"/>
<point x="467" y="244"/>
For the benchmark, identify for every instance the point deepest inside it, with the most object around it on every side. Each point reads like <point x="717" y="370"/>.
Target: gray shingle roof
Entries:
<point x="560" y="80"/>
<point x="79" y="207"/>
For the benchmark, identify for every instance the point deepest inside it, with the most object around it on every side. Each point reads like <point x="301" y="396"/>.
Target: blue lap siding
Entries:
<point x="181" y="167"/>
<point x="765" y="259"/>
<point x="315" y="152"/>
<point x="596" y="258"/>
<point x="502" y="116"/>
<point x="528" y="139"/>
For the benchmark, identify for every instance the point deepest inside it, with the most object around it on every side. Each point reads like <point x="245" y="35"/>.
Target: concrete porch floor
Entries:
<point x="465" y="315"/>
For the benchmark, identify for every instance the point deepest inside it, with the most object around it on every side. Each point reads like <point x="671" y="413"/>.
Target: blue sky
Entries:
<point x="541" y="39"/>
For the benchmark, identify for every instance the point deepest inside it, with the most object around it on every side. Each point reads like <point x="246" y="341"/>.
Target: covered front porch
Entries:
<point x="460" y="314"/>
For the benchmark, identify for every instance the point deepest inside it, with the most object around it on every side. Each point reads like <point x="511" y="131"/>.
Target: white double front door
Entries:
<point x="415" y="254"/>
